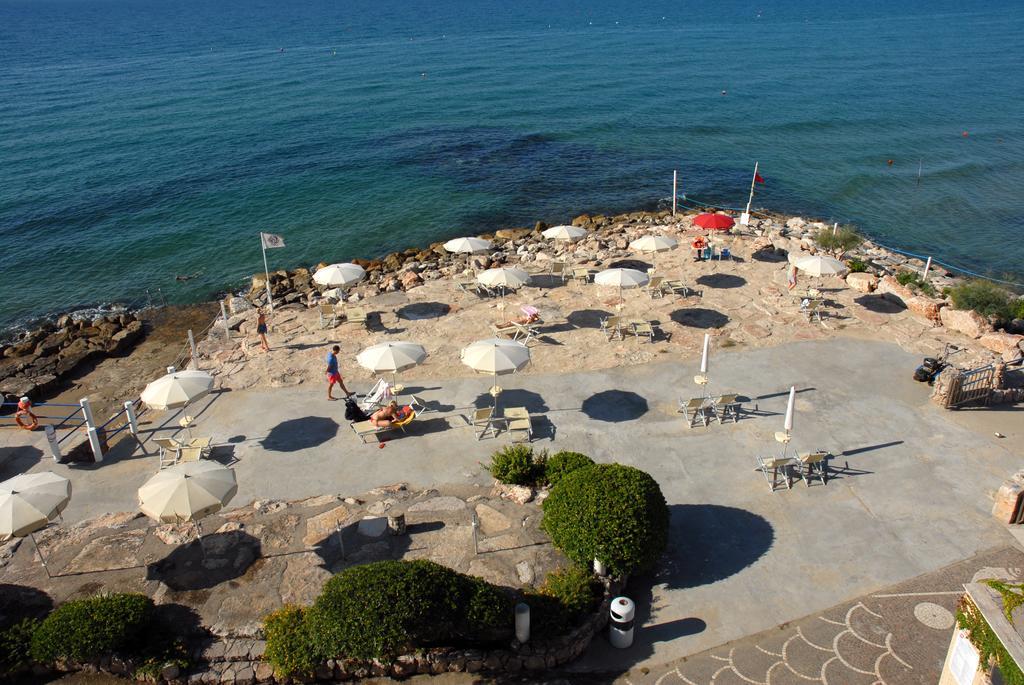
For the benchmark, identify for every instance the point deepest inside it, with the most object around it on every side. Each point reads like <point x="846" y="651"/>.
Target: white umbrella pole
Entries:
<point x="40" y="553"/>
<point x="789" y="409"/>
<point x="266" y="270"/>
<point x="704" y="355"/>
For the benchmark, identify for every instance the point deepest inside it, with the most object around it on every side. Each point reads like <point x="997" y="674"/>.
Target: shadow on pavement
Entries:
<point x="514" y="397"/>
<point x="614" y="406"/>
<point x="300" y="434"/>
<point x="18" y="602"/>
<point x="724" y="281"/>
<point x="206" y="562"/>
<point x="15" y="460"/>
<point x="709" y="542"/>
<point x="423" y="310"/>
<point x="637" y="264"/>
<point x="587" y="318"/>
<point x="698" y="317"/>
<point x="879" y="305"/>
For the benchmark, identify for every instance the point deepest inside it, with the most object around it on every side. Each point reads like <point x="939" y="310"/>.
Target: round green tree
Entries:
<point x="610" y="512"/>
<point x="562" y="463"/>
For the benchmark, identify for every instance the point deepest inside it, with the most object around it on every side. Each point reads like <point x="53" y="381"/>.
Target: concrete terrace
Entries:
<point x="909" y="492"/>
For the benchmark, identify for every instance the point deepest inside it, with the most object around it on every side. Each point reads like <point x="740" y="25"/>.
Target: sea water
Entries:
<point x="143" y="141"/>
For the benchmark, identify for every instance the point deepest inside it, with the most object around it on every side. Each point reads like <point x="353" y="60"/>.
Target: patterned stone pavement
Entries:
<point x="898" y="636"/>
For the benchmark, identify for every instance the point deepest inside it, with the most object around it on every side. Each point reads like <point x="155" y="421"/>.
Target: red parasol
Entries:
<point x="716" y="222"/>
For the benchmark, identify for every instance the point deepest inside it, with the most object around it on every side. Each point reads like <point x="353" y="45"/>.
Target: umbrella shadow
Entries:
<point x="587" y="318"/>
<point x="615" y="406"/>
<point x="294" y="435"/>
<point x="723" y="281"/>
<point x="18" y="602"/>
<point x="423" y="310"/>
<point x="514" y="397"/>
<point x="207" y="562"/>
<point x="637" y="264"/>
<point x="698" y="317"/>
<point x="769" y="255"/>
<point x="15" y="460"/>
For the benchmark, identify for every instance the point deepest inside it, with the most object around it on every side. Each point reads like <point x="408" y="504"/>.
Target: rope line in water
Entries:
<point x="952" y="267"/>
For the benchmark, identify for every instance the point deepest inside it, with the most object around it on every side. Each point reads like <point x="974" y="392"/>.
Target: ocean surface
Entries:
<point x="143" y="140"/>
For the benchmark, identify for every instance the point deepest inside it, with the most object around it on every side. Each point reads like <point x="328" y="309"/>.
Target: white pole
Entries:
<point x="224" y="318"/>
<point x="192" y="348"/>
<point x="745" y="217"/>
<point x="94" y="443"/>
<point x="927" y="267"/>
<point x="674" y="186"/>
<point x="87" y="412"/>
<point x="789" y="409"/>
<point x="266" y="270"/>
<point x="835" y="227"/>
<point x="133" y="422"/>
<point x="704" y="355"/>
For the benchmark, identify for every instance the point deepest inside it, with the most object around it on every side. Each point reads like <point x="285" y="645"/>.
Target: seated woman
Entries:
<point x="530" y="315"/>
<point x="387" y="415"/>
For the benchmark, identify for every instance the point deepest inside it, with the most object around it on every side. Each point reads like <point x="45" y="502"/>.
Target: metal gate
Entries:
<point x="973" y="386"/>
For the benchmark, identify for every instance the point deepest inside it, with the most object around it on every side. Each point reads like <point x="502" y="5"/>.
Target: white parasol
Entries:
<point x="339" y="275"/>
<point x="176" y="389"/>
<point x="187" y="492"/>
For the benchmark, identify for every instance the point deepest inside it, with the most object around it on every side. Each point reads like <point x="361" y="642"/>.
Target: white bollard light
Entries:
<point x="599" y="567"/>
<point x="620" y="629"/>
<point x="51" y="440"/>
<point x="522" y="622"/>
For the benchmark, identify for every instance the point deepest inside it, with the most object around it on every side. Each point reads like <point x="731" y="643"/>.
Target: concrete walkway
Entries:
<point x="909" y="494"/>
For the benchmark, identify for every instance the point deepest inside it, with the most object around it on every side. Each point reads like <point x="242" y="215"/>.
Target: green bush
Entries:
<point x="914" y="281"/>
<point x="1017" y="308"/>
<point x="842" y="241"/>
<point x="574" y="587"/>
<point x="984" y="297"/>
<point x="856" y="266"/>
<point x="562" y="463"/>
<point x="517" y="465"/>
<point x="611" y="512"/>
<point x="16" y="645"/>
<point x="289" y="647"/>
<point x="548" y="616"/>
<point x="84" y="629"/>
<point x="381" y="609"/>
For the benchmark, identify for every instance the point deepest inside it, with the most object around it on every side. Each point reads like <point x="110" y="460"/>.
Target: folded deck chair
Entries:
<point x="170" y="451"/>
<point x="379" y="395"/>
<point x="725" y="406"/>
<point x="774" y="467"/>
<point x="483" y="419"/>
<point x="517" y="422"/>
<point x="612" y="327"/>
<point x="812" y="465"/>
<point x="365" y="429"/>
<point x="328" y="314"/>
<point x="695" y="410"/>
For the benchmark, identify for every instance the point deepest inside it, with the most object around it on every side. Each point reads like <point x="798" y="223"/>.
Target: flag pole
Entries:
<point x="674" y="173"/>
<point x="266" y="270"/>
<point x="745" y="217"/>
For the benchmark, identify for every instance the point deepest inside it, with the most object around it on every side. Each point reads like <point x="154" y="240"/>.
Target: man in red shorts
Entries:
<point x="334" y="374"/>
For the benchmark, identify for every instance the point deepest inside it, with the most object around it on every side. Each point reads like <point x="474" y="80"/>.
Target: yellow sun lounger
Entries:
<point x="366" y="428"/>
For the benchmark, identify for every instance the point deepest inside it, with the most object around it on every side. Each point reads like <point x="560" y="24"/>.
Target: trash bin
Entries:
<point x="620" y="629"/>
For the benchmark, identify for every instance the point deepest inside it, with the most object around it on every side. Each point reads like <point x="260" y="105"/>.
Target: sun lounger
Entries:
<point x="517" y="422"/>
<point x="582" y="275"/>
<point x="204" y="444"/>
<point x="379" y="395"/>
<point x="812" y="465"/>
<point x="725" y="406"/>
<point x="695" y="410"/>
<point x="774" y="467"/>
<point x="170" y="451"/>
<point x="642" y="329"/>
<point x="365" y="429"/>
<point x="559" y="270"/>
<point x="484" y="420"/>
<point x="612" y="327"/>
<point x="328" y="314"/>
<point x="654" y="287"/>
<point x="812" y="308"/>
<point x="190" y="454"/>
<point x="675" y="287"/>
<point x="355" y="315"/>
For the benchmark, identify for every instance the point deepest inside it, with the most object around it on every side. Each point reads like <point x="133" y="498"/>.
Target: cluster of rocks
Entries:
<point x="31" y="364"/>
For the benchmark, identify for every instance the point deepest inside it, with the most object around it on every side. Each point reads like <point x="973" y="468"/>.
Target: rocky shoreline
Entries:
<point x="35" y="362"/>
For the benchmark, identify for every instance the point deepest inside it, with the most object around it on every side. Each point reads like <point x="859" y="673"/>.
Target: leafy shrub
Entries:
<point x="562" y="463"/>
<point x="611" y="512"/>
<point x="289" y="647"/>
<point x="84" y="629"/>
<point x="517" y="465"/>
<point x="574" y="587"/>
<point x="1017" y="308"/>
<point x="378" y="610"/>
<point x="548" y="616"/>
<point x="914" y="281"/>
<point x="984" y="297"/>
<point x="989" y="646"/>
<point x="844" y="240"/>
<point x="856" y="266"/>
<point x="16" y="645"/>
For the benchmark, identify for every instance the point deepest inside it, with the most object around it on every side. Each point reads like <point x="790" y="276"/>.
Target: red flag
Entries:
<point x="758" y="179"/>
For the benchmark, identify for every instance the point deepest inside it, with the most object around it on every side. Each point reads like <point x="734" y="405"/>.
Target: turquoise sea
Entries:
<point x="141" y="140"/>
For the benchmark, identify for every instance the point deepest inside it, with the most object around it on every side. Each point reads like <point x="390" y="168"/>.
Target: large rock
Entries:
<point x="1007" y="498"/>
<point x="410" y="279"/>
<point x="322" y="526"/>
<point x="968" y="322"/>
<point x="1006" y="344"/>
<point x="511" y="233"/>
<point x="862" y="282"/>
<point x="925" y="307"/>
<point x="890" y="289"/>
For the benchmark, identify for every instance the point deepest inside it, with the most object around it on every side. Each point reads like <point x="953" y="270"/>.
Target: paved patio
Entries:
<point x="909" y="493"/>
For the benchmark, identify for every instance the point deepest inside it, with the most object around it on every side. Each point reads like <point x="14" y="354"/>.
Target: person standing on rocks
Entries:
<point x="334" y="374"/>
<point x="261" y="330"/>
<point x="791" y="277"/>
